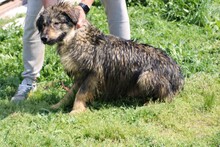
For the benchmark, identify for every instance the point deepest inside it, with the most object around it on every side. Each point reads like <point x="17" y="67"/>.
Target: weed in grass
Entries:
<point x="216" y="140"/>
<point x="209" y="101"/>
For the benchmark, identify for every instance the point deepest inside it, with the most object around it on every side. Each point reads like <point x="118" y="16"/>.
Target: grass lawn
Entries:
<point x="192" y="119"/>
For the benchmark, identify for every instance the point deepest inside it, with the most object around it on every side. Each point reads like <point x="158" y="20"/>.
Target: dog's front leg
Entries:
<point x="68" y="98"/>
<point x="85" y="93"/>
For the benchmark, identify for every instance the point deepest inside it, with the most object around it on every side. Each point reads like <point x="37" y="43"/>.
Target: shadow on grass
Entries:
<point x="8" y="86"/>
<point x="39" y="103"/>
<point x="48" y="93"/>
<point x="127" y="102"/>
<point x="31" y="106"/>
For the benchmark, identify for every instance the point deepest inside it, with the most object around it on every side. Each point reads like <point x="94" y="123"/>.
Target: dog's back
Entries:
<point x="136" y="69"/>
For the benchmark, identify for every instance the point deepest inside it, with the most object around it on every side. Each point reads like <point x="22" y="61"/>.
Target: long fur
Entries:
<point x="105" y="65"/>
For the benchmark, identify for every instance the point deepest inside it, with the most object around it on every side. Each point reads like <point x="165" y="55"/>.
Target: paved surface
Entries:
<point x="11" y="8"/>
<point x="14" y="11"/>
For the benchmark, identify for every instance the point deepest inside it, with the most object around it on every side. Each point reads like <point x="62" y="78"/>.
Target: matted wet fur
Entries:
<point x="105" y="65"/>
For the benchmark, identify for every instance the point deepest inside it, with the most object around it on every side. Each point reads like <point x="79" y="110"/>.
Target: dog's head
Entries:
<point x="56" y="21"/>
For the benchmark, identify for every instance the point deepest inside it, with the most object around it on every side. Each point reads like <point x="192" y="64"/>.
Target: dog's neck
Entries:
<point x="70" y="36"/>
<point x="85" y="32"/>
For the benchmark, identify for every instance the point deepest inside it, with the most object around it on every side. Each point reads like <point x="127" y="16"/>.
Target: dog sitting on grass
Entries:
<point x="105" y="65"/>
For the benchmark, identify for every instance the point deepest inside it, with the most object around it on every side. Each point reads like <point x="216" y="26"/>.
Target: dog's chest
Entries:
<point x="67" y="61"/>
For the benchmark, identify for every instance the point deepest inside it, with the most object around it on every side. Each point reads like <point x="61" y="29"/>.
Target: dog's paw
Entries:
<point x="55" y="106"/>
<point x="78" y="111"/>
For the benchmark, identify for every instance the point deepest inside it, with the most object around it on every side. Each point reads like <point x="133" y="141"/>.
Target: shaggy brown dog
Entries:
<point x="105" y="65"/>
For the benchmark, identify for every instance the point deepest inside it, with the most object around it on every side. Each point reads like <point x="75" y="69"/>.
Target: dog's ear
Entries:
<point x="39" y="23"/>
<point x="72" y="14"/>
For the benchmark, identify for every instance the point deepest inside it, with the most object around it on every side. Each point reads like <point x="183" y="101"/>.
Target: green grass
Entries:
<point x="184" y="122"/>
<point x="192" y="119"/>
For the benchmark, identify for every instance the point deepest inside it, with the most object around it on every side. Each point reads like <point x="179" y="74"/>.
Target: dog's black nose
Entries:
<point x="44" y="39"/>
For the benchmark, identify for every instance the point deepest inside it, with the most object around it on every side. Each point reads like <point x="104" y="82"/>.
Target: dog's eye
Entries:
<point x="64" y="22"/>
<point x="56" y="23"/>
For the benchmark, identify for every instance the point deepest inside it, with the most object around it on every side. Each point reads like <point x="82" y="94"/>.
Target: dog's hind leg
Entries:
<point x="84" y="94"/>
<point x="155" y="86"/>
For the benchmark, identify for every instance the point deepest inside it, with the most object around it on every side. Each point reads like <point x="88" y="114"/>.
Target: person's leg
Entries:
<point x="118" y="19"/>
<point x="33" y="51"/>
<point x="33" y="48"/>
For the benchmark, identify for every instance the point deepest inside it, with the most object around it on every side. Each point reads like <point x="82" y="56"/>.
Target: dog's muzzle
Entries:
<point x="46" y="40"/>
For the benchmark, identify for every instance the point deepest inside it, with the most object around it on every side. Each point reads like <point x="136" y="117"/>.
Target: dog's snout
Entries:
<point x="44" y="39"/>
